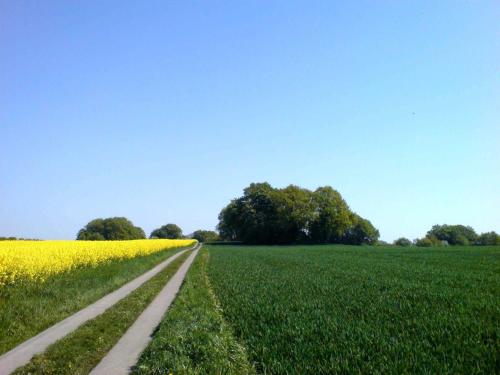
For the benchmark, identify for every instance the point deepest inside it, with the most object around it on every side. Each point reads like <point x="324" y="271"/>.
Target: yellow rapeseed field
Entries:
<point x="35" y="260"/>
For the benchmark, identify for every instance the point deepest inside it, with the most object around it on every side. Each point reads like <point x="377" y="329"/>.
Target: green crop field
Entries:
<point x="343" y="309"/>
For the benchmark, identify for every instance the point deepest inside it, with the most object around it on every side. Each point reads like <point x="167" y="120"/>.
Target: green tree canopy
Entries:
<point x="205" y="235"/>
<point x="402" y="241"/>
<point x="266" y="215"/>
<point x="112" y="228"/>
<point x="488" y="239"/>
<point x="424" y="242"/>
<point x="332" y="217"/>
<point x="170" y="231"/>
<point x="295" y="210"/>
<point x="361" y="232"/>
<point x="453" y="234"/>
<point x="429" y="240"/>
<point x="252" y="218"/>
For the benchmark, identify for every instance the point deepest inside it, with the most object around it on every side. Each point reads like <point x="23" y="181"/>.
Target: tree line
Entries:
<point x="17" y="239"/>
<point x="121" y="228"/>
<point x="265" y="215"/>
<point x="444" y="235"/>
<point x="268" y="215"/>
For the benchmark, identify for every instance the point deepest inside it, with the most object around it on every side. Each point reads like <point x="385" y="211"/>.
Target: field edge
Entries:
<point x="194" y="337"/>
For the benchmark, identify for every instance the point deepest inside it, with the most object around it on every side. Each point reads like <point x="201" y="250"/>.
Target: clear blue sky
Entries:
<point x="164" y="111"/>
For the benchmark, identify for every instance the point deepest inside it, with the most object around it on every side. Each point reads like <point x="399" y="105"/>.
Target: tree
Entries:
<point x="361" y="232"/>
<point x="294" y="213"/>
<point x="331" y="217"/>
<point x="229" y="221"/>
<point x="429" y="240"/>
<point x="402" y="242"/>
<point x="423" y="242"/>
<point x="252" y="218"/>
<point x="205" y="235"/>
<point x="266" y="215"/>
<point x="488" y="239"/>
<point x="112" y="228"/>
<point x="453" y="234"/>
<point x="170" y="231"/>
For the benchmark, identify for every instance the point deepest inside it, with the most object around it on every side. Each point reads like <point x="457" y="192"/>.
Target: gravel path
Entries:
<point x="22" y="354"/>
<point x="127" y="350"/>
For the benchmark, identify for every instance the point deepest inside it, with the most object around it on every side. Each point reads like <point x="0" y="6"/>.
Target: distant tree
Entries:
<point x="294" y="212"/>
<point x="453" y="234"/>
<point x="205" y="235"/>
<point x="170" y="231"/>
<point x="113" y="228"/>
<point x="331" y="217"/>
<point x="230" y="221"/>
<point x="402" y="242"/>
<point x="252" y="218"/>
<point x="430" y="240"/>
<point x="266" y="215"/>
<point x="18" y="239"/>
<point x="423" y="242"/>
<point x="362" y="232"/>
<point x="383" y="243"/>
<point x="488" y="239"/>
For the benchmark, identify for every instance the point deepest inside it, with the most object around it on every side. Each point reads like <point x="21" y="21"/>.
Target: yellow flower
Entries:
<point x="36" y="260"/>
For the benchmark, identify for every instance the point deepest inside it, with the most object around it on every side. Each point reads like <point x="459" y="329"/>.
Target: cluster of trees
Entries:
<point x="170" y="231"/>
<point x="440" y="235"/>
<point x="205" y="235"/>
<point x="403" y="241"/>
<point x="488" y="239"/>
<point x="113" y="228"/>
<point x="267" y="215"/>
<point x="121" y="228"/>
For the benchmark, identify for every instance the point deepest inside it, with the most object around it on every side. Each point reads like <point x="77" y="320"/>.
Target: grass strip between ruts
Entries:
<point x="83" y="349"/>
<point x="26" y="309"/>
<point x="193" y="338"/>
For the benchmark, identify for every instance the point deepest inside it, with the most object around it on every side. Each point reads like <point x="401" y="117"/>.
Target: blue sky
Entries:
<point x="164" y="111"/>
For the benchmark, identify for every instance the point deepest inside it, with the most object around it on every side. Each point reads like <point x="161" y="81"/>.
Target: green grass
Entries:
<point x="82" y="350"/>
<point x="342" y="309"/>
<point x="193" y="338"/>
<point x="28" y="308"/>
